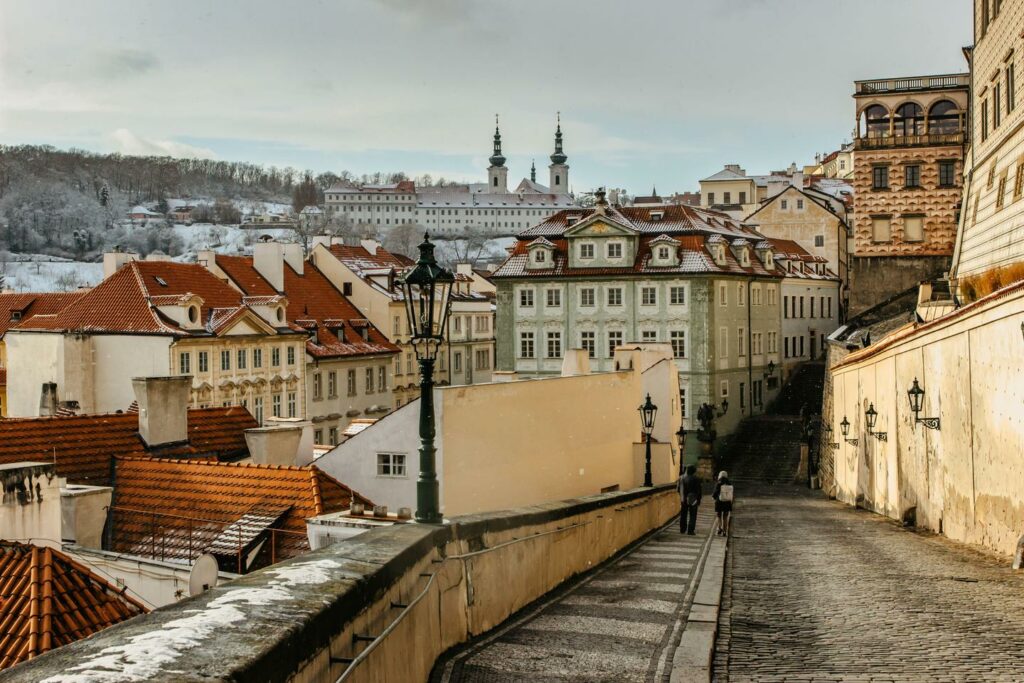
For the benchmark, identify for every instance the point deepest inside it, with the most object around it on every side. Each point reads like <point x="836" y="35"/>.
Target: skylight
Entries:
<point x="160" y="280"/>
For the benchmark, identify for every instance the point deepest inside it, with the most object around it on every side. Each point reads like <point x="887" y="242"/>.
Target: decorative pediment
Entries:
<point x="242" y="321"/>
<point x="600" y="226"/>
<point x="541" y="254"/>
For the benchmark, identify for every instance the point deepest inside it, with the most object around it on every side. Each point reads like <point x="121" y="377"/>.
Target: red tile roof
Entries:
<point x="359" y="259"/>
<point x="82" y="445"/>
<point x="48" y="600"/>
<point x="314" y="303"/>
<point x="690" y="225"/>
<point x="27" y="305"/>
<point x="177" y="509"/>
<point x="124" y="302"/>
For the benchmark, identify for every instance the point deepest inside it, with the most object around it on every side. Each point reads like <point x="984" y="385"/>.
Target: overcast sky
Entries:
<point x="650" y="92"/>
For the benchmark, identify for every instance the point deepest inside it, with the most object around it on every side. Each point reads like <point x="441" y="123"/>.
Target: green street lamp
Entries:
<point x="648" y="411"/>
<point x="681" y="436"/>
<point x="427" y="290"/>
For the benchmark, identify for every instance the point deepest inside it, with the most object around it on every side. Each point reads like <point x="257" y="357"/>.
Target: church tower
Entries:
<point x="558" y="168"/>
<point x="497" y="173"/>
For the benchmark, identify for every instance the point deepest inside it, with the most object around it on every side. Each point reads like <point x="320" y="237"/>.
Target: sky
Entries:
<point x="652" y="93"/>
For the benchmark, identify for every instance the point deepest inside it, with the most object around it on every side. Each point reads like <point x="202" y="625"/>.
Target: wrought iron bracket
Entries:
<point x="853" y="441"/>
<point x="881" y="436"/>
<point x="833" y="445"/>
<point x="929" y="422"/>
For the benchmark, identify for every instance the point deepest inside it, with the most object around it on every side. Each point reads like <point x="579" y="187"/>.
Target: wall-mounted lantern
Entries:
<point x="770" y="371"/>
<point x="916" y="395"/>
<point x="725" y="407"/>
<point x="827" y="427"/>
<point x="871" y="416"/>
<point x="844" y="426"/>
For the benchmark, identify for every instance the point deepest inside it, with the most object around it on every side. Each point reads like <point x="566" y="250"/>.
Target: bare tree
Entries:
<point x="403" y="239"/>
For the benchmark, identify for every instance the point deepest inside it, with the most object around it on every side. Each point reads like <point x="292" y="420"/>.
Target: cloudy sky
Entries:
<point x="661" y="92"/>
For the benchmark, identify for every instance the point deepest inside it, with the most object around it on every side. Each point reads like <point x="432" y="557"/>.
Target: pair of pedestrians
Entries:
<point x="690" y="495"/>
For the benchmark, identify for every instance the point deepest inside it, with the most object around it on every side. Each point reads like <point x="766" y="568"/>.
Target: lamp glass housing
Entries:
<point x="648" y="411"/>
<point x="916" y="396"/>
<point x="871" y="416"/>
<point x="844" y="426"/>
<point x="427" y="290"/>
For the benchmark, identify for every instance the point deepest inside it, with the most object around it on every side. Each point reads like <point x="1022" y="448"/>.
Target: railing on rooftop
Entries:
<point x="888" y="85"/>
<point x="931" y="139"/>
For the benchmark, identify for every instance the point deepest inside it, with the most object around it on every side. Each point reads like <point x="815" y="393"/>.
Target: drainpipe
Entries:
<point x="750" y="349"/>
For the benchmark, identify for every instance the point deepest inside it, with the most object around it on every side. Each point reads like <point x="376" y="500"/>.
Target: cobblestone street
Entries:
<point x="618" y="624"/>
<point x="817" y="591"/>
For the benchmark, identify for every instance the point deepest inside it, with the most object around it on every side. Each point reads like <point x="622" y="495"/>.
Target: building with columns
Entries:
<point x="489" y="207"/>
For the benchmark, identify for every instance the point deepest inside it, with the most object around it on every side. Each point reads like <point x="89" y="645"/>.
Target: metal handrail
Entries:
<point x="361" y="657"/>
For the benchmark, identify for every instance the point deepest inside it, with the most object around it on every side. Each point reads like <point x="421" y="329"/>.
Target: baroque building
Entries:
<point x="596" y="279"/>
<point x="488" y="207"/>
<point x="908" y="165"/>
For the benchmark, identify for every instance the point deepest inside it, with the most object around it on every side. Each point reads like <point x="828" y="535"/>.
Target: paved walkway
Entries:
<point x="618" y="624"/>
<point x="817" y="591"/>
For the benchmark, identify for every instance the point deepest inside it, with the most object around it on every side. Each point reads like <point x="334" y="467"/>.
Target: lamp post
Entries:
<point x="871" y="416"/>
<point x="681" y="436"/>
<point x="647" y="411"/>
<point x="916" y="395"/>
<point x="844" y="427"/>
<point x="427" y="290"/>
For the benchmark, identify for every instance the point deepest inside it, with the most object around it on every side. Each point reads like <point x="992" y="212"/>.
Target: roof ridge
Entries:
<point x="214" y="463"/>
<point x="144" y="293"/>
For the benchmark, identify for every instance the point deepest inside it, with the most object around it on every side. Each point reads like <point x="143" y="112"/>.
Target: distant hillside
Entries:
<point x="71" y="203"/>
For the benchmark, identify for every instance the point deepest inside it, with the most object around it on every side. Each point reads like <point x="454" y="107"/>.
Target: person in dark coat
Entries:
<point x="690" y="493"/>
<point x="723" y="496"/>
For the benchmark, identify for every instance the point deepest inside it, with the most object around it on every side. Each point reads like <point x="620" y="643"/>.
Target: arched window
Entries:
<point x="909" y="120"/>
<point x="943" y="118"/>
<point x="876" y="121"/>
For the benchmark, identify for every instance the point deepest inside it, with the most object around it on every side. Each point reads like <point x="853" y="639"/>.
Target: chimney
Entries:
<point x="600" y="204"/>
<point x="464" y="269"/>
<point x="294" y="257"/>
<point x="48" y="399"/>
<point x="320" y="239"/>
<point x="370" y="245"/>
<point x="576" y="362"/>
<point x="337" y="240"/>
<point x="268" y="260"/>
<point x="735" y="168"/>
<point x="277" y="445"/>
<point x="163" y="409"/>
<point x="83" y="514"/>
<point x="113" y="260"/>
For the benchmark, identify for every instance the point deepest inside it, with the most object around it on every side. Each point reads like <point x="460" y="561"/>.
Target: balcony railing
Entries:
<point x="919" y="83"/>
<point x="930" y="139"/>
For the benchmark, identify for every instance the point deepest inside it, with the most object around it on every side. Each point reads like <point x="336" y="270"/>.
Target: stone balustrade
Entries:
<point x="381" y="606"/>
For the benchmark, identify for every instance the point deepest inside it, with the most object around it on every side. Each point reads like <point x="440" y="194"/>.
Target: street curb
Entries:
<point x="692" y="660"/>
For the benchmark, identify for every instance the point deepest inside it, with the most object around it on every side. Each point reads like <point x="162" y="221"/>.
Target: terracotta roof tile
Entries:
<point x="24" y="306"/>
<point x="48" y="600"/>
<point x="313" y="302"/>
<point x="177" y="509"/>
<point x="82" y="445"/>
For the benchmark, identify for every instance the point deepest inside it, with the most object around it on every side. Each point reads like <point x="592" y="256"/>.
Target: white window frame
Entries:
<point x="392" y="466"/>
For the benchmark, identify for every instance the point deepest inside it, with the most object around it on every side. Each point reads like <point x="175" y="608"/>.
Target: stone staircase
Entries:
<point x="765" y="451"/>
<point x="804" y="387"/>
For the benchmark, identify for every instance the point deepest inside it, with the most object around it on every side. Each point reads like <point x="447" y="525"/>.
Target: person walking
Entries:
<point x="690" y="493"/>
<point x="723" y="496"/>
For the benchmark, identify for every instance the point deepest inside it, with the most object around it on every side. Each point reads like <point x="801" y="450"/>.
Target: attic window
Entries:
<point x="280" y="314"/>
<point x="663" y="253"/>
<point x="657" y="215"/>
<point x="15" y="315"/>
<point x="193" y="314"/>
<point x="160" y="281"/>
<point x="540" y="256"/>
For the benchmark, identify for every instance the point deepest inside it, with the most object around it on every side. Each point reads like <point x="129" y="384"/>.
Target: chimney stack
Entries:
<point x="576" y="362"/>
<point x="113" y="260"/>
<point x="370" y="245"/>
<point x="294" y="257"/>
<point x="268" y="260"/>
<point x="48" y="399"/>
<point x="163" y="409"/>
<point x="278" y="445"/>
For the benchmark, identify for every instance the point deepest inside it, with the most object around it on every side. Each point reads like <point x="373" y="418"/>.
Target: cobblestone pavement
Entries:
<point x="817" y="591"/>
<point x="620" y="623"/>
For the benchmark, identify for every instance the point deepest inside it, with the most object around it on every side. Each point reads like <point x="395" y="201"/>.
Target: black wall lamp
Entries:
<point x="916" y="395"/>
<point x="844" y="426"/>
<point x="771" y="369"/>
<point x="871" y="416"/>
<point x="828" y="430"/>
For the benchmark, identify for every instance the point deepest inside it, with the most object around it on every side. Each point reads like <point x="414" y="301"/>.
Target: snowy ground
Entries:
<point x="40" y="273"/>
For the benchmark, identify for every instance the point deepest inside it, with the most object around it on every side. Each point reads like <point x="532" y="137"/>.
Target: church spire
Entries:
<point x="559" y="156"/>
<point x="533" y="171"/>
<point x="497" y="159"/>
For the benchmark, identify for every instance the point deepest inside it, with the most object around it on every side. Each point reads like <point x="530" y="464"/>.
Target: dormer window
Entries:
<point x="663" y="253"/>
<point x="745" y="257"/>
<point x="540" y="256"/>
<point x="193" y="314"/>
<point x="15" y="316"/>
<point x="657" y="215"/>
